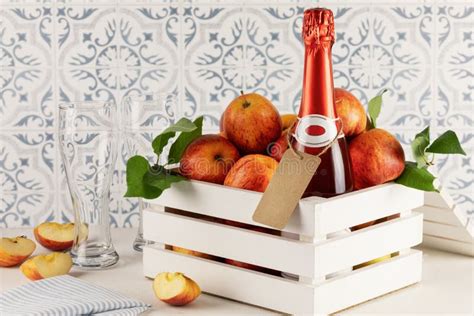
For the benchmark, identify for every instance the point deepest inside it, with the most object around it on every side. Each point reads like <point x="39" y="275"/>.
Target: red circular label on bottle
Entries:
<point x="315" y="131"/>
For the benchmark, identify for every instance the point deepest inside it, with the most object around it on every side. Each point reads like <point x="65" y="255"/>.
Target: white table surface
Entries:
<point x="447" y="286"/>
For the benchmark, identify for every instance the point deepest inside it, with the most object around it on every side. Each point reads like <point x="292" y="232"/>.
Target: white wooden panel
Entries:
<point x="370" y="282"/>
<point x="447" y="231"/>
<point x="239" y="284"/>
<point x="449" y="245"/>
<point x="439" y="215"/>
<point x="331" y="215"/>
<point x="369" y="243"/>
<point x="257" y="248"/>
<point x="466" y="222"/>
<point x="446" y="227"/>
<point x="362" y="206"/>
<point x="229" y="203"/>
<point x="286" y="295"/>
<point x="441" y="199"/>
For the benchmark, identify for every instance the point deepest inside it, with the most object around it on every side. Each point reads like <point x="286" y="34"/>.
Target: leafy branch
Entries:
<point x="416" y="174"/>
<point x="149" y="182"/>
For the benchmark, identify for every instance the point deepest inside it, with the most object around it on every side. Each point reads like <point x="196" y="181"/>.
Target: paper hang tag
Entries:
<point x="286" y="188"/>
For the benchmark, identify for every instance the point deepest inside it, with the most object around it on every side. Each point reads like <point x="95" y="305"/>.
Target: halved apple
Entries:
<point x="46" y="266"/>
<point x="14" y="251"/>
<point x="175" y="288"/>
<point x="56" y="236"/>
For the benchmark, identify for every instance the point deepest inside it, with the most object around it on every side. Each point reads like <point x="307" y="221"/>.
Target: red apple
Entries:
<point x="287" y="121"/>
<point x="252" y="172"/>
<point x="278" y="148"/>
<point x="377" y="157"/>
<point x="221" y="123"/>
<point x="209" y="158"/>
<point x="351" y="112"/>
<point x="251" y="123"/>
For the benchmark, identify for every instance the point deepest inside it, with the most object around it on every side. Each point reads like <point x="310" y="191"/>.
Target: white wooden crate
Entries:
<point x="445" y="226"/>
<point x="317" y="246"/>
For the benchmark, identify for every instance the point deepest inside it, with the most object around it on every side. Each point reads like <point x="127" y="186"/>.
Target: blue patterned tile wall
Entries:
<point x="207" y="51"/>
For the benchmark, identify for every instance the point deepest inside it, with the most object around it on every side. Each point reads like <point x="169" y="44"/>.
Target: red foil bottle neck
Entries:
<point x="318" y="84"/>
<point x="318" y="26"/>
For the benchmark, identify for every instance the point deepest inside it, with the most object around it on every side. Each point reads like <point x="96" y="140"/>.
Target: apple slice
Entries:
<point x="46" y="266"/>
<point x="56" y="236"/>
<point x="175" y="288"/>
<point x="14" y="251"/>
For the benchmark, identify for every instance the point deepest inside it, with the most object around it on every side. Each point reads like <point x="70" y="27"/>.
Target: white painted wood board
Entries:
<point x="312" y="260"/>
<point x="287" y="295"/>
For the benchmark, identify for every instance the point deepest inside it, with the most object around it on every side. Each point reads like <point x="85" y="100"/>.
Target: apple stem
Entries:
<point x="246" y="103"/>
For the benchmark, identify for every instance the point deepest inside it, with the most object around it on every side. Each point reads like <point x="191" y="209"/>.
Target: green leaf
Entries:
<point x="418" y="146"/>
<point x="375" y="105"/>
<point x="137" y="168"/>
<point x="417" y="178"/>
<point x="183" y="140"/>
<point x="162" y="179"/>
<point x="160" y="141"/>
<point x="447" y="143"/>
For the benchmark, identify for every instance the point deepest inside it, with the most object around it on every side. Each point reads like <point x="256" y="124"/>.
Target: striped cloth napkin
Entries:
<point x="66" y="295"/>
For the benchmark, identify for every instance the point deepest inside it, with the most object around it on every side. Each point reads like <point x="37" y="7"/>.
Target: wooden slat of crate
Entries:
<point x="225" y="241"/>
<point x="439" y="215"/>
<point x="313" y="216"/>
<point x="455" y="246"/>
<point x="458" y="233"/>
<point x="228" y="203"/>
<point x="367" y="244"/>
<point x="369" y="282"/>
<point x="362" y="206"/>
<point x="440" y="199"/>
<point x="283" y="254"/>
<point x="287" y="295"/>
<point x="446" y="227"/>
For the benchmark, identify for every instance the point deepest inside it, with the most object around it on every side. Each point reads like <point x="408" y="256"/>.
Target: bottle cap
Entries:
<point x="318" y="26"/>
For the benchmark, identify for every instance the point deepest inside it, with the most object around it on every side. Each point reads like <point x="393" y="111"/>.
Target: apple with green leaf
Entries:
<point x="376" y="155"/>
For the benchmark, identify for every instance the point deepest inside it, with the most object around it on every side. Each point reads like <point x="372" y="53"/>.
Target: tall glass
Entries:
<point x="88" y="139"/>
<point x="144" y="116"/>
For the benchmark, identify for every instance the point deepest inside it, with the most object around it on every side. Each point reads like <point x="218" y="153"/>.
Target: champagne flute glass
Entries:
<point x="88" y="140"/>
<point x="144" y="117"/>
